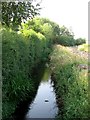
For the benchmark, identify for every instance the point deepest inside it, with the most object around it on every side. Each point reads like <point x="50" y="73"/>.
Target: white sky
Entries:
<point x="71" y="13"/>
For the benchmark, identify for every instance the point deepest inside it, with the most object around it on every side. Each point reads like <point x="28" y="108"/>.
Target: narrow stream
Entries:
<point x="44" y="104"/>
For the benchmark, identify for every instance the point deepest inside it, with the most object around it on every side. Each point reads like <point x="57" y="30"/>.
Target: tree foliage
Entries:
<point x="65" y="31"/>
<point x="66" y="37"/>
<point x="80" y="41"/>
<point x="66" y="40"/>
<point x="49" y="29"/>
<point x="14" y="12"/>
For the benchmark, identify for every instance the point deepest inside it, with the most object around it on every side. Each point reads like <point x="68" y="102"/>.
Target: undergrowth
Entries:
<point x="71" y="83"/>
<point x="21" y="54"/>
<point x="84" y="47"/>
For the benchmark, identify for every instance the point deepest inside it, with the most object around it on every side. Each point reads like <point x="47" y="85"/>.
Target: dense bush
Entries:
<point x="21" y="54"/>
<point x="15" y="70"/>
<point x="80" y="41"/>
<point x="71" y="84"/>
<point x="66" y="40"/>
<point x="66" y="37"/>
<point x="39" y="44"/>
<point x="49" y="29"/>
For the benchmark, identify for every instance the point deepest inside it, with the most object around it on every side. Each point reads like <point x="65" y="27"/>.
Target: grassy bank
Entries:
<point x="84" y="47"/>
<point x="69" y="71"/>
<point x="21" y="55"/>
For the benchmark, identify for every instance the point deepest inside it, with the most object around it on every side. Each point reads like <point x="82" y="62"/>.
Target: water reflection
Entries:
<point x="44" y="104"/>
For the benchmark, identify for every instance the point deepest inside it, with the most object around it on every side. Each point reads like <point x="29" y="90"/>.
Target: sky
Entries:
<point x="71" y="13"/>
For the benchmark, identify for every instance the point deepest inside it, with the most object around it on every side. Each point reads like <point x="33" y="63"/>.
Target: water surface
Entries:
<point x="44" y="104"/>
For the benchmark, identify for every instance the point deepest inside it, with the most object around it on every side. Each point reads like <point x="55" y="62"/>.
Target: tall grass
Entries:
<point x="84" y="47"/>
<point x="71" y="83"/>
<point x="21" y="54"/>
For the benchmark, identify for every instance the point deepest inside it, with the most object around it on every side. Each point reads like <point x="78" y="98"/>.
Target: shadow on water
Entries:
<point x="43" y="104"/>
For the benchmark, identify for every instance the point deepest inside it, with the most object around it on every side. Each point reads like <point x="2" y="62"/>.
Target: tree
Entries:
<point x="80" y="41"/>
<point x="66" y="40"/>
<point x="66" y="37"/>
<point x="65" y="31"/>
<point x="48" y="28"/>
<point x="13" y="13"/>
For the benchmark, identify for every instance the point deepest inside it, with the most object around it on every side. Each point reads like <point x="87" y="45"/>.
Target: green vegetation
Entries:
<point x="71" y="83"/>
<point x="13" y="13"/>
<point x="21" y="54"/>
<point x="29" y="47"/>
<point x="84" y="47"/>
<point x="52" y="31"/>
<point x="80" y="41"/>
<point x="66" y="37"/>
<point x="48" y="28"/>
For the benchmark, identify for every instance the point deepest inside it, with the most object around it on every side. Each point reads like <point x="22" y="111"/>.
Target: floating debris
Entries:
<point x="46" y="100"/>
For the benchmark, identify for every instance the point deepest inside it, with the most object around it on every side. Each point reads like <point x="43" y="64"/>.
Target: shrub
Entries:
<point x="80" y="41"/>
<point x="66" y="40"/>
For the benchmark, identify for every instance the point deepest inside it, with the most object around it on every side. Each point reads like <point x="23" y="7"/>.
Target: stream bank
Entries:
<point x="43" y="104"/>
<point x="71" y="84"/>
